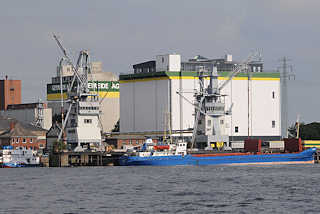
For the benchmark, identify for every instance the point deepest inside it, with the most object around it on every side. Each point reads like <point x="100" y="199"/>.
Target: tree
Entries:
<point x="59" y="146"/>
<point x="309" y="131"/>
<point x="116" y="127"/>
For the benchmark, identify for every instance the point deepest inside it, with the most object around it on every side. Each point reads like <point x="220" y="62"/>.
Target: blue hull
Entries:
<point x="14" y="165"/>
<point x="291" y="158"/>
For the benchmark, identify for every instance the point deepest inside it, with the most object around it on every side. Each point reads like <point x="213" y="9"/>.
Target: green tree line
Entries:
<point x="309" y="131"/>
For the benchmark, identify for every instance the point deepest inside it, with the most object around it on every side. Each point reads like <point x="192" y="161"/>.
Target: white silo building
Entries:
<point x="150" y="93"/>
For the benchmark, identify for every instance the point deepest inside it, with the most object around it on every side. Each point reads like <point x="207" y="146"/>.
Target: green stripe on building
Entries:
<point x="194" y="74"/>
<point x="101" y="86"/>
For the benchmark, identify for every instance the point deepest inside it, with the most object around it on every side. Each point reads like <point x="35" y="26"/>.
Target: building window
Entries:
<point x="273" y="124"/>
<point x="87" y="120"/>
<point x="23" y="140"/>
<point x="273" y="95"/>
<point x="236" y="129"/>
<point x="221" y="122"/>
<point x="31" y="140"/>
<point x="209" y="122"/>
<point x="17" y="140"/>
<point x="41" y="146"/>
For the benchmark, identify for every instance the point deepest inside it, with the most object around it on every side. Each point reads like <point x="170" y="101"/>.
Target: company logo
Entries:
<point x="93" y="86"/>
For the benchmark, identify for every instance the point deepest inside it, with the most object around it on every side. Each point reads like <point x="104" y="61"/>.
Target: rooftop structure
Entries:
<point x="37" y="114"/>
<point x="166" y="63"/>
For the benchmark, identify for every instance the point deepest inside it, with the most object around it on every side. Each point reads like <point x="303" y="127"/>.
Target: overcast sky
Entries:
<point x="121" y="33"/>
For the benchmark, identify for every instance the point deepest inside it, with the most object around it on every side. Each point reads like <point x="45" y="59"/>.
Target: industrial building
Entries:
<point x="21" y="135"/>
<point x="10" y="92"/>
<point x="37" y="114"/>
<point x="150" y="93"/>
<point x="106" y="84"/>
<point x="10" y="106"/>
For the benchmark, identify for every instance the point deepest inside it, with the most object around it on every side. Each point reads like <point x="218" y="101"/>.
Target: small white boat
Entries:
<point x="21" y="157"/>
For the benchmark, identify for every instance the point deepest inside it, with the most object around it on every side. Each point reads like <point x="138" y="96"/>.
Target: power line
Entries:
<point x="285" y="75"/>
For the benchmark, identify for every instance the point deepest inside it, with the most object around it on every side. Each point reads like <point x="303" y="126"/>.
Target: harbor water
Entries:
<point x="182" y="189"/>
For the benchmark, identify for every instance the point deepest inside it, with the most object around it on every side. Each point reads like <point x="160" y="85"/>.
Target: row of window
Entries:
<point x="24" y="140"/>
<point x="131" y="142"/>
<point x="89" y="108"/>
<point x="41" y="146"/>
<point x="215" y="108"/>
<point x="209" y="122"/>
<point x="145" y="70"/>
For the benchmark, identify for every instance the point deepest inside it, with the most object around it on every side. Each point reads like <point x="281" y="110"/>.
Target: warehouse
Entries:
<point x="150" y="94"/>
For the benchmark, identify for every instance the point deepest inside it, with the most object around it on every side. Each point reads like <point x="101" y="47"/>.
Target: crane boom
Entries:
<point x="240" y="67"/>
<point x="75" y="70"/>
<point x="60" y="46"/>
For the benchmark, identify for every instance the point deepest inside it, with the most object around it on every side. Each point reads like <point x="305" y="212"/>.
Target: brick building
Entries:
<point x="10" y="92"/>
<point x="18" y="134"/>
<point x="127" y="141"/>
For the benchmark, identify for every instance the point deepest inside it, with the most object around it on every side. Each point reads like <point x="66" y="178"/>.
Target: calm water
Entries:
<point x="183" y="189"/>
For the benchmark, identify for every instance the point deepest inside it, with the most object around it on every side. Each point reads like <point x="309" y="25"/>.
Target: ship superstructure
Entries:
<point x="210" y="112"/>
<point x="210" y="109"/>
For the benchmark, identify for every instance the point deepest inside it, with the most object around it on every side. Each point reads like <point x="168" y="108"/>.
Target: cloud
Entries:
<point x="121" y="33"/>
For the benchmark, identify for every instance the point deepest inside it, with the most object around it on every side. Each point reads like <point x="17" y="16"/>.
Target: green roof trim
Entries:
<point x="194" y="74"/>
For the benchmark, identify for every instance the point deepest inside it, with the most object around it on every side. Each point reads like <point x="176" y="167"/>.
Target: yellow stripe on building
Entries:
<point x="184" y="78"/>
<point x="265" y="78"/>
<point x="311" y="143"/>
<point x="56" y="96"/>
<point x="110" y="94"/>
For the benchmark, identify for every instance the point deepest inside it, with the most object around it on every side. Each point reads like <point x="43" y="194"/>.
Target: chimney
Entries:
<point x="12" y="125"/>
<point x="6" y="77"/>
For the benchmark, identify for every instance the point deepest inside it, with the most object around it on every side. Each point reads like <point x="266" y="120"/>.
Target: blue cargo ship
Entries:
<point x="177" y="155"/>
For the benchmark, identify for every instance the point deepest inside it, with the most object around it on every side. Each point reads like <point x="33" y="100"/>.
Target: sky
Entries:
<point x="122" y="33"/>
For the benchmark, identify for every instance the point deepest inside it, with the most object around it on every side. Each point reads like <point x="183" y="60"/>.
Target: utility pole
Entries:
<point x="284" y="77"/>
<point x="249" y="81"/>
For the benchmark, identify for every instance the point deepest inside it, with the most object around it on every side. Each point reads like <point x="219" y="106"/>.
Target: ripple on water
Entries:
<point x="210" y="189"/>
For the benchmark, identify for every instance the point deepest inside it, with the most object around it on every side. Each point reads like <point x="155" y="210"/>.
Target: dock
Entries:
<point x="75" y="159"/>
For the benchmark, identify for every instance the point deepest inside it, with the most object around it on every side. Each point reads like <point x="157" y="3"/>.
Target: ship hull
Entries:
<point x="225" y="159"/>
<point x="15" y="165"/>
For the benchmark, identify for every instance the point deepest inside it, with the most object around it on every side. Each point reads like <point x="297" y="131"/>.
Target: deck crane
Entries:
<point x="210" y="107"/>
<point x="82" y="119"/>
